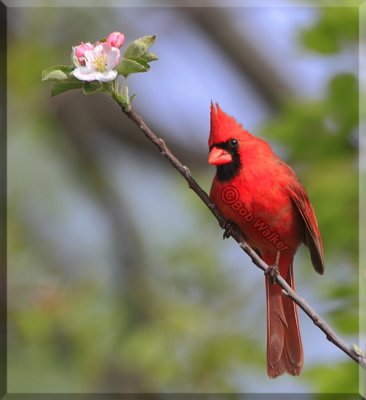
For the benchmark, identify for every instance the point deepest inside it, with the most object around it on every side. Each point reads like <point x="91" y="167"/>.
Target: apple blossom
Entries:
<point x="116" y="39"/>
<point x="80" y="50"/>
<point x="100" y="62"/>
<point x="97" y="65"/>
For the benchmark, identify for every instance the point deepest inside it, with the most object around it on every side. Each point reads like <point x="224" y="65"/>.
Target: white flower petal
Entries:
<point x="113" y="58"/>
<point x="99" y="49"/>
<point x="106" y="76"/>
<point x="88" y="68"/>
<point x="89" y="56"/>
<point x="84" y="76"/>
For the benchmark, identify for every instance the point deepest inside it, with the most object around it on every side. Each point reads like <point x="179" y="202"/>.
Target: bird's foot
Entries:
<point x="272" y="270"/>
<point x="228" y="227"/>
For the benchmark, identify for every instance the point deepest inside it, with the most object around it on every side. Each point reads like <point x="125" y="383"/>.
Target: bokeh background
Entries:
<point x="118" y="277"/>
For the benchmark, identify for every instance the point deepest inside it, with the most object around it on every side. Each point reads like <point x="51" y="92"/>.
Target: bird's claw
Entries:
<point x="272" y="270"/>
<point x="228" y="227"/>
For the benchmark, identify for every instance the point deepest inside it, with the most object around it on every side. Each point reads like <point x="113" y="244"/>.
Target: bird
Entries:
<point x="256" y="191"/>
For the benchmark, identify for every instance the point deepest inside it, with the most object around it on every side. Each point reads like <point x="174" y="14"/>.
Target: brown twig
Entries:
<point x="354" y="354"/>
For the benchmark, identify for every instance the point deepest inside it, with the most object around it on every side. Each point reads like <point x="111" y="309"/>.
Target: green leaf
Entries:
<point x="149" y="56"/>
<point x="59" y="87"/>
<point x="127" y="67"/>
<point x="125" y="98"/>
<point x="142" y="62"/>
<point x="57" y="73"/>
<point x="121" y="95"/>
<point x="145" y="59"/>
<point x="136" y="58"/>
<point x="139" y="47"/>
<point x="92" y="87"/>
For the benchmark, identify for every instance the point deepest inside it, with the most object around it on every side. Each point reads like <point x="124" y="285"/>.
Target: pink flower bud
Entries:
<point x="116" y="39"/>
<point x="80" y="50"/>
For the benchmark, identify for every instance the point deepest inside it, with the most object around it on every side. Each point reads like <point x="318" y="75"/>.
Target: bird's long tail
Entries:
<point x="284" y="347"/>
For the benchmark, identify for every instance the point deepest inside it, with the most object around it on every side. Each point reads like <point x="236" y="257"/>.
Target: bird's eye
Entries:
<point x="233" y="143"/>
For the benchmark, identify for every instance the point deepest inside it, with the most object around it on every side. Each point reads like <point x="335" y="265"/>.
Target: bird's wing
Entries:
<point x="312" y="238"/>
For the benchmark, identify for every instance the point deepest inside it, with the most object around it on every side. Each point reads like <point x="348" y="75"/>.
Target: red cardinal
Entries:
<point x="261" y="194"/>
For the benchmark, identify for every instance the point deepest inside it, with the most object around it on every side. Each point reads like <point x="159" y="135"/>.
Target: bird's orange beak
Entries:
<point x="219" y="156"/>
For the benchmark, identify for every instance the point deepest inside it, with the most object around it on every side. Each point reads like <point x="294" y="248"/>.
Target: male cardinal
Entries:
<point x="256" y="190"/>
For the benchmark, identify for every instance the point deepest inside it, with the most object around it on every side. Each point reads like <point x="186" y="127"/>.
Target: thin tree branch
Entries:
<point x="352" y="352"/>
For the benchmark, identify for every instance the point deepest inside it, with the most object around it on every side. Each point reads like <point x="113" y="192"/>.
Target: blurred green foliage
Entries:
<point x="73" y="332"/>
<point x="328" y="162"/>
<point x="339" y="378"/>
<point x="336" y="28"/>
<point x="320" y="139"/>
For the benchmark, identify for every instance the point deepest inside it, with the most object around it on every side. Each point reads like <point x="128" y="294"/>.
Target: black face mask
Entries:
<point x="226" y="172"/>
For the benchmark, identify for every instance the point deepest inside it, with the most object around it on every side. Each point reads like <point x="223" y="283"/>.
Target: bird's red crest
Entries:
<point x="223" y="126"/>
